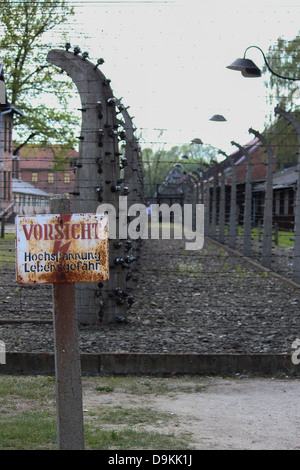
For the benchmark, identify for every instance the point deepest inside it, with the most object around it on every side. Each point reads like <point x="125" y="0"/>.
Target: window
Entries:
<point x="67" y="178"/>
<point x="34" y="177"/>
<point x="50" y="177"/>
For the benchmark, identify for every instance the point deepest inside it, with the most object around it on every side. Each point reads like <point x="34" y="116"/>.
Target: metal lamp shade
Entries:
<point x="196" y="140"/>
<point x="218" y="118"/>
<point x="246" y="66"/>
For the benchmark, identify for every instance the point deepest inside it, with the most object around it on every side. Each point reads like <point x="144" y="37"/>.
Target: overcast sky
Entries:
<point x="168" y="61"/>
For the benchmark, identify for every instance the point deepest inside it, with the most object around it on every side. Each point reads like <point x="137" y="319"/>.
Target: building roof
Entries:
<point x="235" y="158"/>
<point x="22" y="187"/>
<point x="282" y="179"/>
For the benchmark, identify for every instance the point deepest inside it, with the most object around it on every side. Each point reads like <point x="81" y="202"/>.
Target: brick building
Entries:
<point x="258" y="161"/>
<point x="35" y="165"/>
<point x="7" y="113"/>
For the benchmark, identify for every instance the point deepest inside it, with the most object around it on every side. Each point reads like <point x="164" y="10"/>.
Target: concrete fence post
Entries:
<point x="296" y="257"/>
<point x="233" y="214"/>
<point x="247" y="203"/>
<point x="268" y="205"/>
<point x="222" y="208"/>
<point x="214" y="205"/>
<point x="97" y="181"/>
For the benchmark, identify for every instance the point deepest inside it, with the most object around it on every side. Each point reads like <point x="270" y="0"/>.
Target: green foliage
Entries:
<point x="34" y="86"/>
<point x="192" y="158"/>
<point x="7" y="250"/>
<point x="284" y="140"/>
<point x="284" y="59"/>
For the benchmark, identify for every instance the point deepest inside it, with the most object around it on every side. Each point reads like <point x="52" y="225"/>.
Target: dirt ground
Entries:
<point x="226" y="414"/>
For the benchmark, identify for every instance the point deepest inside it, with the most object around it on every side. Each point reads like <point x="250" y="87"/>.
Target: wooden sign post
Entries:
<point x="63" y="248"/>
<point x="70" y="428"/>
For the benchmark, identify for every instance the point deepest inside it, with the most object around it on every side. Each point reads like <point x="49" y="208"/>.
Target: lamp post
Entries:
<point x="248" y="68"/>
<point x="296" y="258"/>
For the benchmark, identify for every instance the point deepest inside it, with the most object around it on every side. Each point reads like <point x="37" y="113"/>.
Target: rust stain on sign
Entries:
<point x="62" y="248"/>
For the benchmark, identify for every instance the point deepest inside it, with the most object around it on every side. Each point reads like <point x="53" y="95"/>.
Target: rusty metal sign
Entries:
<point x="62" y="248"/>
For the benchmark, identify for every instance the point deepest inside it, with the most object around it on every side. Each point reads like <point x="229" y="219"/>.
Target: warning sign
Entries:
<point x="62" y="248"/>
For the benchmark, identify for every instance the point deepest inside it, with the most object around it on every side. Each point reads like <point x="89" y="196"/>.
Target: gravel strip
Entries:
<point x="185" y="302"/>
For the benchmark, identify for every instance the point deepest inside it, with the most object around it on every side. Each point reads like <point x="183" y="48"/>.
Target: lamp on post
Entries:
<point x="248" y="68"/>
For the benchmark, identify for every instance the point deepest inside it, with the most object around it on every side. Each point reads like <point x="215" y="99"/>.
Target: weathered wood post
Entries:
<point x="61" y="249"/>
<point x="248" y="203"/>
<point x="70" y="429"/>
<point x="97" y="180"/>
<point x="296" y="258"/>
<point x="268" y="206"/>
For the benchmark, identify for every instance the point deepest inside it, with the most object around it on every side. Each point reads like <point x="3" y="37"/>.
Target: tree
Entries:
<point x="157" y="165"/>
<point x="33" y="85"/>
<point x="284" y="60"/>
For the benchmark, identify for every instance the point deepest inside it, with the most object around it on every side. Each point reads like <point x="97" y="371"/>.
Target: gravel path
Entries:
<point x="185" y="302"/>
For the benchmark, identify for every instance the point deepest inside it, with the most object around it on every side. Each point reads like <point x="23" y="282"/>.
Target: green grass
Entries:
<point x="285" y="238"/>
<point x="149" y="385"/>
<point x="28" y="431"/>
<point x="7" y="250"/>
<point x="129" y="439"/>
<point x="28" y="414"/>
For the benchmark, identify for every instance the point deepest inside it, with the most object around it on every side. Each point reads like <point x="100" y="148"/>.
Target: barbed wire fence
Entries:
<point x="103" y="173"/>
